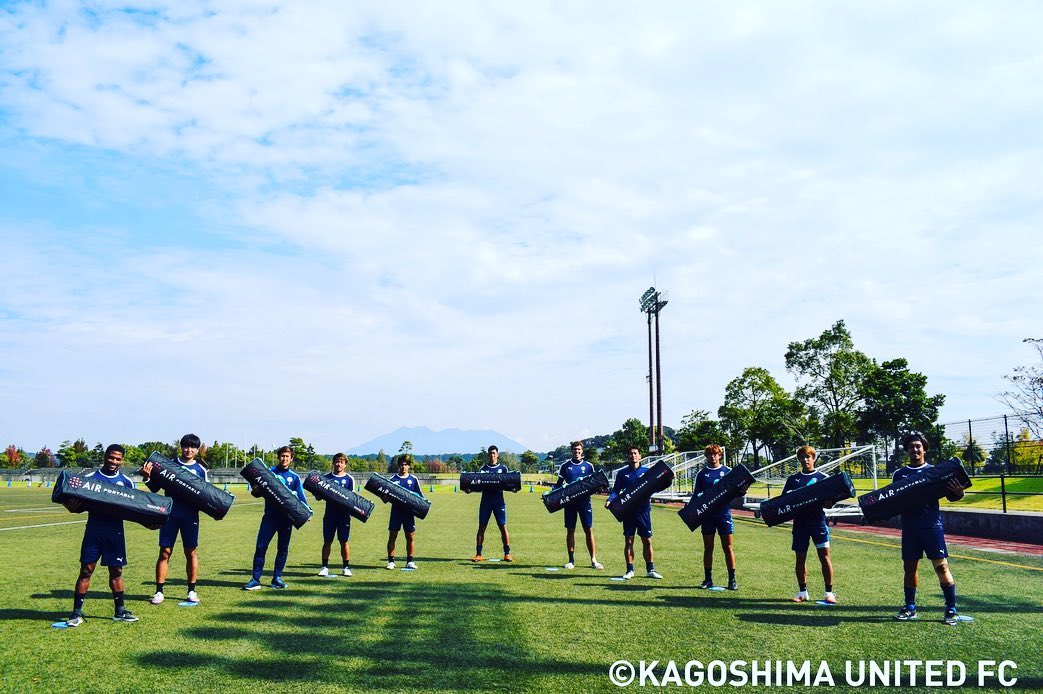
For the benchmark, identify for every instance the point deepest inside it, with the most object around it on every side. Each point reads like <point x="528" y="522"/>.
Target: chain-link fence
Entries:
<point x="1008" y="444"/>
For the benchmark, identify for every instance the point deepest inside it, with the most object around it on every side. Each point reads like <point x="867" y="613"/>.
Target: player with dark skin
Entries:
<point x="110" y="468"/>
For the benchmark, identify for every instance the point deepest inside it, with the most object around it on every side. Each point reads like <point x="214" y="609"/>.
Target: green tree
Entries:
<point x="972" y="454"/>
<point x="455" y="462"/>
<point x="530" y="462"/>
<point x="756" y="409"/>
<point x="829" y="372"/>
<point x="478" y="460"/>
<point x="895" y="400"/>
<point x="304" y="455"/>
<point x="632" y="433"/>
<point x="74" y="454"/>
<point x="698" y="431"/>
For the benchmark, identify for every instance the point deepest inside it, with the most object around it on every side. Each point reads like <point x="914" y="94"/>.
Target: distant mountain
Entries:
<point x="428" y="442"/>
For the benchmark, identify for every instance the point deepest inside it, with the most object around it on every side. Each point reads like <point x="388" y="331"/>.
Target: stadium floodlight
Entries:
<point x="648" y="300"/>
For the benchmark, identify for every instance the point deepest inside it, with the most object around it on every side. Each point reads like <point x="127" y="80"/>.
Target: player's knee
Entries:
<point x="164" y="553"/>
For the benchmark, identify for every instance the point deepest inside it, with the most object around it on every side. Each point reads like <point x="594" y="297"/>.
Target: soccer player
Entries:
<point x="401" y="517"/>
<point x="720" y="524"/>
<point x="337" y="520"/>
<point x="103" y="539"/>
<point x="639" y="520"/>
<point x="922" y="533"/>
<point x="492" y="504"/>
<point x="273" y="522"/>
<point x="810" y="527"/>
<point x="184" y="519"/>
<point x="570" y="471"/>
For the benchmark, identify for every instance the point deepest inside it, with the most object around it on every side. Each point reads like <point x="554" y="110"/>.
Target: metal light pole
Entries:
<point x="659" y="375"/>
<point x="651" y="304"/>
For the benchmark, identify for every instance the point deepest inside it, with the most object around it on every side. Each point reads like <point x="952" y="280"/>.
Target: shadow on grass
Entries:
<point x="791" y="620"/>
<point x="379" y="637"/>
<point x="35" y="615"/>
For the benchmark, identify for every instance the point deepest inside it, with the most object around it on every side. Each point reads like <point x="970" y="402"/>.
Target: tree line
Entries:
<point x="841" y="397"/>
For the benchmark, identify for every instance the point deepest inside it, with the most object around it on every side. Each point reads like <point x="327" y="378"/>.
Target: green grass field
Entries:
<point x="453" y="625"/>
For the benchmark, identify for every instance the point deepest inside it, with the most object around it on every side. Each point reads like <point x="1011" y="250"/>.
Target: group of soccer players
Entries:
<point x="103" y="539"/>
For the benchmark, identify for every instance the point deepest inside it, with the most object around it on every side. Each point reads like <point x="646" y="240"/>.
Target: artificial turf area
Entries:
<point x="454" y="625"/>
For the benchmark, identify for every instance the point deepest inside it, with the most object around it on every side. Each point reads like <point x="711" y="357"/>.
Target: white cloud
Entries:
<point x="445" y="216"/>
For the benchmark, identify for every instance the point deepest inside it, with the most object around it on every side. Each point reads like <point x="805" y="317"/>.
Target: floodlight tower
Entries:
<point x="652" y="302"/>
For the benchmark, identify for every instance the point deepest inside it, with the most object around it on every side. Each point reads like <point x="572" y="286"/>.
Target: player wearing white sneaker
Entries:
<point x="801" y="596"/>
<point x="390" y="566"/>
<point x="336" y="521"/>
<point x="810" y="526"/>
<point x="183" y="520"/>
<point x="410" y="564"/>
<point x="192" y="596"/>
<point x="346" y="571"/>
<point x="570" y="471"/>
<point x="570" y="565"/>
<point x="628" y="575"/>
<point x="639" y="521"/>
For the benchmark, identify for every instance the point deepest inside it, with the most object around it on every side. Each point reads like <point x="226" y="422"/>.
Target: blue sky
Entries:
<point x="263" y="220"/>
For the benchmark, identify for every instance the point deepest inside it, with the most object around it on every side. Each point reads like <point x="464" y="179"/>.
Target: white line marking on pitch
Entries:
<point x="43" y="525"/>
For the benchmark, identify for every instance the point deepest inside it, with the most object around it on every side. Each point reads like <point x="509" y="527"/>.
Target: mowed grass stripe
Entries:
<point x="455" y="625"/>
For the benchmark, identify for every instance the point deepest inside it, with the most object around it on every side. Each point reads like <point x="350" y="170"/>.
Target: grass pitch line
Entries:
<point x="26" y="510"/>
<point x="44" y="525"/>
<point x="957" y="556"/>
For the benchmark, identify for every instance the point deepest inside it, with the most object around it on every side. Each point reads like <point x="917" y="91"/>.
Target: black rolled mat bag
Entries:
<point x="356" y="506"/>
<point x="656" y="479"/>
<point x="483" y="481"/>
<point x="136" y="505"/>
<point x="574" y="492"/>
<point x="390" y="493"/>
<point x="186" y="488"/>
<point x="714" y="500"/>
<point x="810" y="498"/>
<point x="913" y="491"/>
<point x="273" y="489"/>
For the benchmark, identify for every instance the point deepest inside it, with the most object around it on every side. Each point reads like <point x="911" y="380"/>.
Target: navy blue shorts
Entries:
<point x="401" y="520"/>
<point x="638" y="523"/>
<point x="806" y="533"/>
<point x="917" y="542"/>
<point x="496" y="509"/>
<point x="586" y="516"/>
<point x="338" y="524"/>
<point x="187" y="524"/>
<point x="722" y="525"/>
<point x="108" y="545"/>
